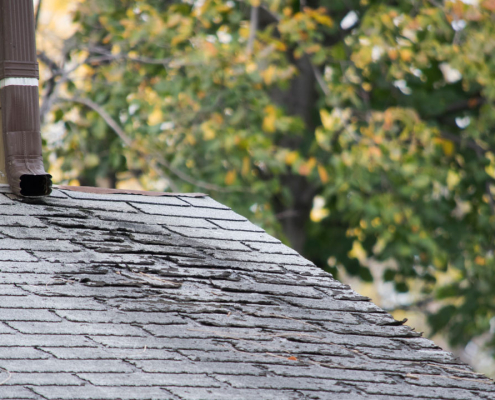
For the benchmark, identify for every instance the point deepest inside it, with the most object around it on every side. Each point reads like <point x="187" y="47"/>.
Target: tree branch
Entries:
<point x="153" y="156"/>
<point x="320" y="80"/>
<point x="105" y="55"/>
<point x="253" y="27"/>
<point x="53" y="84"/>
<point x="469" y="143"/>
<point x="276" y="18"/>
<point x="420" y="305"/>
<point x="37" y="15"/>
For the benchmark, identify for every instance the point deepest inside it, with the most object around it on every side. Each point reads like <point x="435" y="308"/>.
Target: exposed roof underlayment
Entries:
<point x="123" y="296"/>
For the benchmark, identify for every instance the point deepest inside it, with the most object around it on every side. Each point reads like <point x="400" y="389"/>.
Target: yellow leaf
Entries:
<point x="406" y="55"/>
<point x="367" y="86"/>
<point x="318" y="212"/>
<point x="326" y="119"/>
<point x="217" y="118"/>
<point x="398" y="218"/>
<point x="270" y="119"/>
<point x="191" y="139"/>
<point x="246" y="166"/>
<point x="91" y="160"/>
<point x="208" y="132"/>
<point x="173" y="20"/>
<point x="155" y="117"/>
<point x="307" y="167"/>
<point x="177" y="39"/>
<point x="268" y="74"/>
<point x="357" y="251"/>
<point x="323" y="173"/>
<point x="323" y="19"/>
<point x="447" y="146"/>
<point x="392" y="53"/>
<point x="490" y="170"/>
<point x="210" y="49"/>
<point x="379" y="246"/>
<point x="74" y="182"/>
<point x="251" y="67"/>
<point x="375" y="152"/>
<point x="313" y="48"/>
<point x="332" y="261"/>
<point x="452" y="179"/>
<point x="480" y="260"/>
<point x="115" y="49"/>
<point x="291" y="157"/>
<point x="230" y="177"/>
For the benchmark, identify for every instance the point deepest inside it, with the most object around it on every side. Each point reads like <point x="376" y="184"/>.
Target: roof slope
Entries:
<point x="177" y="297"/>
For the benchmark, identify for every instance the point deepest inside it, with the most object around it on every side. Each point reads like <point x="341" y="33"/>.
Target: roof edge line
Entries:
<point x="100" y="190"/>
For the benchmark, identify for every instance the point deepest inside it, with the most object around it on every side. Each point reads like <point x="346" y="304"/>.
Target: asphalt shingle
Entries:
<point x="123" y="296"/>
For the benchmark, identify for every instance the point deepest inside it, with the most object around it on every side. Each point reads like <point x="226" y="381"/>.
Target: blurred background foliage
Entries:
<point x="360" y="132"/>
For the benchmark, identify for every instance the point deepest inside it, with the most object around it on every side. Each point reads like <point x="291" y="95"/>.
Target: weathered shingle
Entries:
<point x="120" y="296"/>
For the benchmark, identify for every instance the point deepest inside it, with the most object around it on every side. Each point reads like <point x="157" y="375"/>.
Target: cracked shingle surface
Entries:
<point x="177" y="297"/>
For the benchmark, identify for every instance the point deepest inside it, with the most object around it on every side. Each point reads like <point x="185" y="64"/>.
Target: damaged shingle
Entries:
<point x="128" y="296"/>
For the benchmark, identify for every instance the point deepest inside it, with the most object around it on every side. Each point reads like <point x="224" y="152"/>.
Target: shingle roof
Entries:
<point x="121" y="296"/>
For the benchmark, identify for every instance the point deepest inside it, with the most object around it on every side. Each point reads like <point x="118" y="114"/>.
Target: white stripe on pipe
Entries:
<point x="18" y="82"/>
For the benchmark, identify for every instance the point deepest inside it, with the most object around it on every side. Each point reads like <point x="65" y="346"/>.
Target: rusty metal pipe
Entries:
<point x="19" y="100"/>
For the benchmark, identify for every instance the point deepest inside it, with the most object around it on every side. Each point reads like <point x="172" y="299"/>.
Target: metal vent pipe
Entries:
<point x="19" y="100"/>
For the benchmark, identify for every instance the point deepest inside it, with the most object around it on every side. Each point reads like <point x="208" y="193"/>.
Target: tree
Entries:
<point x="354" y="130"/>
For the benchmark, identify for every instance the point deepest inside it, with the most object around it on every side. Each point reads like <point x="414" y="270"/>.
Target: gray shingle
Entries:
<point x="145" y="379"/>
<point x="119" y="206"/>
<point x="142" y="222"/>
<point x="161" y="200"/>
<point x="417" y="392"/>
<point x="21" y="353"/>
<point x="23" y="314"/>
<point x="176" y="297"/>
<point x="31" y="340"/>
<point x="89" y="392"/>
<point x="237" y="394"/>
<point x="66" y="328"/>
<point x="102" y="353"/>
<point x="63" y="366"/>
<point x="281" y="383"/>
<point x="44" y="379"/>
<point x="16" y="255"/>
<point x="27" y="222"/>
<point x="188" y="367"/>
<point x="17" y="393"/>
<point x="237" y="225"/>
<point x="190" y="212"/>
<point x="204" y="202"/>
<point x="222" y="234"/>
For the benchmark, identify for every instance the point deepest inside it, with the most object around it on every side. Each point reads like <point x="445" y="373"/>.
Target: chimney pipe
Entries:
<point x="19" y="101"/>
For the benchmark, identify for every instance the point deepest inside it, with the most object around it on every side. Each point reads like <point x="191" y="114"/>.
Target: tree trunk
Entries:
<point x="299" y="100"/>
